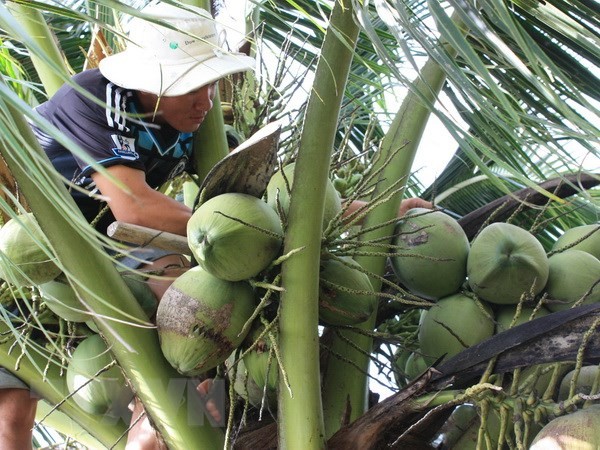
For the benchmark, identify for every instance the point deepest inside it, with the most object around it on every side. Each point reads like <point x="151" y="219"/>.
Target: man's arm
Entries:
<point x="405" y="205"/>
<point x="142" y="205"/>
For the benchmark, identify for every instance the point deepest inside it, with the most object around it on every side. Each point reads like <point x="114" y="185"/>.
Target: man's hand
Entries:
<point x="414" y="202"/>
<point x="405" y="205"/>
<point x="204" y="389"/>
<point x="138" y="203"/>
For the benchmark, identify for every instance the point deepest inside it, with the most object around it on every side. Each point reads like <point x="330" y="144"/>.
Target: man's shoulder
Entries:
<point x="90" y="97"/>
<point x="90" y="78"/>
<point x="82" y="88"/>
<point x="96" y="84"/>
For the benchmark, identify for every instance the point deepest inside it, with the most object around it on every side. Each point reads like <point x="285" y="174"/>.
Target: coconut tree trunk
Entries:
<point x="54" y="418"/>
<point x="300" y="411"/>
<point x="210" y="142"/>
<point x="210" y="146"/>
<point x="345" y="384"/>
<point x="40" y="40"/>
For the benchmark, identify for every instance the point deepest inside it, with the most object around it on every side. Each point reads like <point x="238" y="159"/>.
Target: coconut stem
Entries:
<point x="301" y="416"/>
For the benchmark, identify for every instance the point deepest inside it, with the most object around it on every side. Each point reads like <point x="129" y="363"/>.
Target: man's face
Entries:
<point x="186" y="112"/>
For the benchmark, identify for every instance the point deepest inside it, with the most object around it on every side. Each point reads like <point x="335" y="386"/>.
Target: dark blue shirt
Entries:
<point x="110" y="131"/>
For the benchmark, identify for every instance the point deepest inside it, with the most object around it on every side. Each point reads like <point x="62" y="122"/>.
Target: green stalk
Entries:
<point x="300" y="409"/>
<point x="210" y="143"/>
<point x="136" y="348"/>
<point x="54" y="388"/>
<point x="345" y="382"/>
<point x="33" y="23"/>
<point x="210" y="147"/>
<point x="63" y="423"/>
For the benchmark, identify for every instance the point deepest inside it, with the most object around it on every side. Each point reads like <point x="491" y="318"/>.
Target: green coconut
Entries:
<point x="458" y="423"/>
<point x="583" y="383"/>
<point x="573" y="275"/>
<point x="23" y="262"/>
<point x="584" y="237"/>
<point x="505" y="315"/>
<point x="416" y="364"/>
<point x="453" y="324"/>
<point x="579" y="430"/>
<point x="466" y="417"/>
<point x="141" y="290"/>
<point x="92" y="326"/>
<point x="200" y="319"/>
<point x="60" y="298"/>
<point x="463" y="430"/>
<point x="431" y="253"/>
<point x="278" y="194"/>
<point x="261" y="363"/>
<point x="234" y="236"/>
<point x="106" y="393"/>
<point x="139" y="287"/>
<point x="401" y="356"/>
<point x="346" y="296"/>
<point x="245" y="386"/>
<point x="505" y="263"/>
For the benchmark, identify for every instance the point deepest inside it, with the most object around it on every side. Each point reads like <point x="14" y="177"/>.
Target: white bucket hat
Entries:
<point x="171" y="62"/>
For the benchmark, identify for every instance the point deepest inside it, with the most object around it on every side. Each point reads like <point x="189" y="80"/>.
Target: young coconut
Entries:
<point x="245" y="386"/>
<point x="584" y="237"/>
<point x="261" y="362"/>
<point x="416" y="364"/>
<point x="105" y="393"/>
<point x="346" y="296"/>
<point x="431" y="254"/>
<point x="141" y="290"/>
<point x="538" y="376"/>
<point x="453" y="324"/>
<point x="574" y="431"/>
<point x="401" y="356"/>
<point x="23" y="261"/>
<point x="234" y="236"/>
<point x="505" y="263"/>
<point x="469" y="438"/>
<point x="457" y="424"/>
<point x="200" y="319"/>
<point x="586" y="377"/>
<point x="60" y="298"/>
<point x="278" y="194"/>
<point x="574" y="274"/>
<point x="505" y="315"/>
